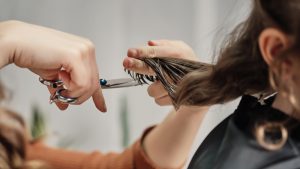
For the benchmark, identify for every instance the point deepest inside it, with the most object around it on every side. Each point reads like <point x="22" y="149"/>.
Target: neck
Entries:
<point x="282" y="103"/>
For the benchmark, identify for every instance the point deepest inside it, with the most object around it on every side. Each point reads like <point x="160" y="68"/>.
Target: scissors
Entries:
<point x="105" y="84"/>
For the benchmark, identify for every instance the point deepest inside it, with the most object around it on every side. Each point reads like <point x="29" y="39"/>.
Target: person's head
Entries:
<point x="13" y="141"/>
<point x="261" y="55"/>
<point x="279" y="44"/>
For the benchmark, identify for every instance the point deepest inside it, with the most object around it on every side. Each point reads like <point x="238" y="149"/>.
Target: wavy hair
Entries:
<point x="240" y="68"/>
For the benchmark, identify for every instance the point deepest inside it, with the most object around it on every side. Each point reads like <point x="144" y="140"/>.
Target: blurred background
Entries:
<point x="114" y="26"/>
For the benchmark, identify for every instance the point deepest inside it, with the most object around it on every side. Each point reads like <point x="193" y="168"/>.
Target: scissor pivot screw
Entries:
<point x="103" y="81"/>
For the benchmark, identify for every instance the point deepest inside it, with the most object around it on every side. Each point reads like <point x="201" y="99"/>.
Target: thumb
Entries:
<point x="65" y="77"/>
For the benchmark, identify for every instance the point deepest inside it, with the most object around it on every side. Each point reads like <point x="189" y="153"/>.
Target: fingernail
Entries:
<point x="130" y="63"/>
<point x="65" y="87"/>
<point x="153" y="42"/>
<point x="132" y="52"/>
<point x="104" y="110"/>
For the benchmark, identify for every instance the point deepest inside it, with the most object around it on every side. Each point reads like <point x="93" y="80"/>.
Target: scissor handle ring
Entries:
<point x="51" y="83"/>
<point x="58" y="97"/>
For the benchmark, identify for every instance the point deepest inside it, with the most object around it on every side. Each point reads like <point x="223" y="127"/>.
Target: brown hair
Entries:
<point x="12" y="140"/>
<point x="240" y="68"/>
<point x="13" y="143"/>
<point x="169" y="71"/>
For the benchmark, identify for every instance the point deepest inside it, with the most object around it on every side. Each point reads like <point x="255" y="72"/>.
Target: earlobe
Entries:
<point x="271" y="43"/>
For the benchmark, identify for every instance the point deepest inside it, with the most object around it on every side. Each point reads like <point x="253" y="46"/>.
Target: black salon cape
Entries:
<point x="231" y="145"/>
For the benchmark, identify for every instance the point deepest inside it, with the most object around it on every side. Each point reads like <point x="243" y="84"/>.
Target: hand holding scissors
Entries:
<point x="105" y="84"/>
<point x="52" y="54"/>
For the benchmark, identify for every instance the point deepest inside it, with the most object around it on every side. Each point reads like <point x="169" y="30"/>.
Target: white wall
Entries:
<point x="114" y="26"/>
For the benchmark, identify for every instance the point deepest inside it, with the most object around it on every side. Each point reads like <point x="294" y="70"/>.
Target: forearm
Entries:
<point x="65" y="159"/>
<point x="56" y="158"/>
<point x="5" y="45"/>
<point x="168" y="145"/>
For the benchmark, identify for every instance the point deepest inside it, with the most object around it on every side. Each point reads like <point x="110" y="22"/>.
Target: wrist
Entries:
<point x="6" y="44"/>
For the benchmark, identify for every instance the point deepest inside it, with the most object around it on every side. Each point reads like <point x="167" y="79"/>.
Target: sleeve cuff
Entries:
<point x="141" y="160"/>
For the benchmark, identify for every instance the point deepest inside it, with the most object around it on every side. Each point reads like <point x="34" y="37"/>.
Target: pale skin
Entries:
<point x="170" y="142"/>
<point x="272" y="41"/>
<point x="53" y="55"/>
<point x="46" y="52"/>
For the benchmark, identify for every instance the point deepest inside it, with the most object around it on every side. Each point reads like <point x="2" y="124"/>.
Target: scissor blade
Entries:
<point x="119" y="83"/>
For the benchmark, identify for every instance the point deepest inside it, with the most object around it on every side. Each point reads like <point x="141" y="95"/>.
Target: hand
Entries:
<point x="53" y="55"/>
<point x="161" y="48"/>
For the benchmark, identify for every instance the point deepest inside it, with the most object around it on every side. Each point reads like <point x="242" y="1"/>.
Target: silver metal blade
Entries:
<point x="120" y="83"/>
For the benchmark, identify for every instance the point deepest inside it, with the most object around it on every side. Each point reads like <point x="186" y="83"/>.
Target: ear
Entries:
<point x="271" y="43"/>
